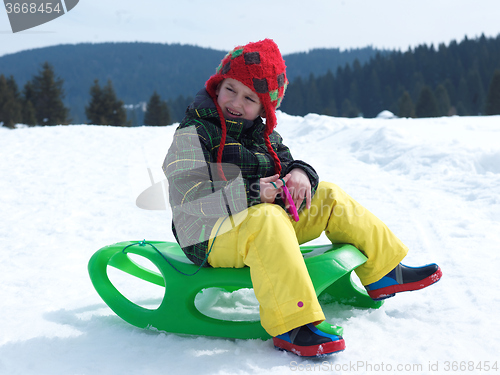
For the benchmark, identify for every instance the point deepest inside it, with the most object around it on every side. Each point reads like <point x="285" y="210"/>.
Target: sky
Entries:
<point x="295" y="25"/>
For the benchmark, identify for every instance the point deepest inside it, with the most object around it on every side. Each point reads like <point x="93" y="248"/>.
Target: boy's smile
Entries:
<point x="237" y="101"/>
<point x="233" y="113"/>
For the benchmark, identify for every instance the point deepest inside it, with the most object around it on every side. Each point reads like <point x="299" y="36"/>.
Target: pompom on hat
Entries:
<point x="260" y="67"/>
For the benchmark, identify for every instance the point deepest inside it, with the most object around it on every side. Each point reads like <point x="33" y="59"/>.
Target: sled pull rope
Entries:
<point x="144" y="243"/>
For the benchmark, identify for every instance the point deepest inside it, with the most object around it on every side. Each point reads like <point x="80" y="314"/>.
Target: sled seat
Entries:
<point x="329" y="266"/>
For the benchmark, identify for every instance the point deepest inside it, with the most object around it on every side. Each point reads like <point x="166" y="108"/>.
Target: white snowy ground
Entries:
<point x="67" y="191"/>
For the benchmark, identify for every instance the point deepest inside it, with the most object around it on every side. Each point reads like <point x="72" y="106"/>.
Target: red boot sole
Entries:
<point x="310" y="351"/>
<point x="389" y="291"/>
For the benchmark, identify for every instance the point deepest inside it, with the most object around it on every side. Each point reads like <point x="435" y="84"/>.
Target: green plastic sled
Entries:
<point x="329" y="266"/>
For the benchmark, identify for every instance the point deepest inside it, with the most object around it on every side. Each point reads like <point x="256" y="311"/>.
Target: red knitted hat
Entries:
<point x="260" y="67"/>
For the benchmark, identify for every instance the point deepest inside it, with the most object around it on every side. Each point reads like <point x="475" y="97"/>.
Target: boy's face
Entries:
<point x="237" y="101"/>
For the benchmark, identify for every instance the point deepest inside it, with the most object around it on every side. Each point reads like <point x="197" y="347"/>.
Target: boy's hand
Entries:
<point x="300" y="187"/>
<point x="268" y="192"/>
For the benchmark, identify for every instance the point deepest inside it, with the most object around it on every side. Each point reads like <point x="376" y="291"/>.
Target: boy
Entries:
<point x="226" y="169"/>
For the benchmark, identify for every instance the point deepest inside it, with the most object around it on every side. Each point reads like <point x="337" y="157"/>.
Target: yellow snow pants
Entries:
<point x="267" y="240"/>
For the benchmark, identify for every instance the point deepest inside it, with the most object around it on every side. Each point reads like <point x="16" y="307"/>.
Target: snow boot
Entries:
<point x="309" y="341"/>
<point x="403" y="279"/>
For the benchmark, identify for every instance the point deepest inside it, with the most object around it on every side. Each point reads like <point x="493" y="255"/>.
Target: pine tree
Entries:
<point x="28" y="111"/>
<point x="326" y="91"/>
<point x="178" y="107"/>
<point x="331" y="108"/>
<point x="313" y="100"/>
<point x="104" y="108"/>
<point x="462" y="98"/>
<point x="47" y="94"/>
<point x="493" y="99"/>
<point x="475" y="92"/>
<point x="294" y="103"/>
<point x="348" y="109"/>
<point x="157" y="112"/>
<point x="443" y="100"/>
<point x="10" y="105"/>
<point x="354" y="96"/>
<point x="406" y="107"/>
<point x="28" y="114"/>
<point x="450" y="89"/>
<point x="373" y="96"/>
<point x="426" y="104"/>
<point x="95" y="111"/>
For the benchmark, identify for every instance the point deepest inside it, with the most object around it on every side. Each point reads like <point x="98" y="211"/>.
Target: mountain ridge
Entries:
<point x="136" y="69"/>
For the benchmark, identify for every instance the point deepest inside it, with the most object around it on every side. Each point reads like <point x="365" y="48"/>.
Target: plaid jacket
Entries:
<point x="198" y="197"/>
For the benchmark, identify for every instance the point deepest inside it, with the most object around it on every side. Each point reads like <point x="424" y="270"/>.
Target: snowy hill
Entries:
<point x="67" y="191"/>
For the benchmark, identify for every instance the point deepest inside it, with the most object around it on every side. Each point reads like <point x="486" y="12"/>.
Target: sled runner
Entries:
<point x="329" y="266"/>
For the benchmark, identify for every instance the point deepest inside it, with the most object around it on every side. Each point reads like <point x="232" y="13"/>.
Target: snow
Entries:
<point x="386" y="114"/>
<point x="66" y="191"/>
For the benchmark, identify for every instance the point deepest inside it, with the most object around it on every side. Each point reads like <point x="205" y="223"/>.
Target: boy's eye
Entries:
<point x="229" y="89"/>
<point x="249" y="98"/>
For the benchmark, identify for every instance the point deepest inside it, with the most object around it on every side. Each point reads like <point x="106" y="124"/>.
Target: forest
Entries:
<point x="62" y="84"/>
<point x="136" y="70"/>
<point x="427" y="81"/>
